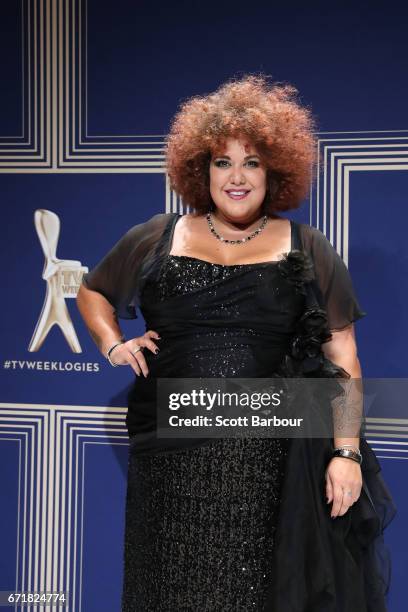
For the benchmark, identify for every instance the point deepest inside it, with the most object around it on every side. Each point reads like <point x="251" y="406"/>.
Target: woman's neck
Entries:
<point x="239" y="226"/>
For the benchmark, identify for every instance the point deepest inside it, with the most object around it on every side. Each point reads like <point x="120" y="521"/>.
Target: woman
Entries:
<point x="236" y="290"/>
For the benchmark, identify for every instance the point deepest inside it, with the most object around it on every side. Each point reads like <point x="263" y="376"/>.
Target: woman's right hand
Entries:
<point x="124" y="354"/>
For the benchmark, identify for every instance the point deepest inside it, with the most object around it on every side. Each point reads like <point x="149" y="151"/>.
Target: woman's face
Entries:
<point x="238" y="181"/>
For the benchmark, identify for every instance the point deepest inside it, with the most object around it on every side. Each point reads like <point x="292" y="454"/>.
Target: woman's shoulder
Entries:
<point x="318" y="245"/>
<point x="143" y="235"/>
<point x="154" y="225"/>
<point x="312" y="237"/>
<point x="160" y="219"/>
<point x="309" y="230"/>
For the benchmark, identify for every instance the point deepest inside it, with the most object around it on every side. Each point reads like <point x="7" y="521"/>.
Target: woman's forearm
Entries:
<point x="342" y="350"/>
<point x="99" y="317"/>
<point x="355" y="406"/>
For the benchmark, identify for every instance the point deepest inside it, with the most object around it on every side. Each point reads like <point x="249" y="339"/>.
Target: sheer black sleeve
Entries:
<point x="333" y="280"/>
<point x="118" y="275"/>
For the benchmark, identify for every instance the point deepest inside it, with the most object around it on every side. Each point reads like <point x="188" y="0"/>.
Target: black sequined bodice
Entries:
<point x="218" y="320"/>
<point x="182" y="274"/>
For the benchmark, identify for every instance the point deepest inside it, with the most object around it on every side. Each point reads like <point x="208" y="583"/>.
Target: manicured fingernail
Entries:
<point x="156" y="351"/>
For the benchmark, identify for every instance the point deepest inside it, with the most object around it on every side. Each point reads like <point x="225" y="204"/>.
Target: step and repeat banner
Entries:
<point x="88" y="91"/>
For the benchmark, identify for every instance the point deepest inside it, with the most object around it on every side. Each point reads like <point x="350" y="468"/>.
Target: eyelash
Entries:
<point x="218" y="163"/>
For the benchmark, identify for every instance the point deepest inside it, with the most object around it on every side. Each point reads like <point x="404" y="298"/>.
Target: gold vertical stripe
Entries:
<point x="24" y="108"/>
<point x="35" y="53"/>
<point x="42" y="67"/>
<point x="79" y="96"/>
<point x="60" y="83"/>
<point x="48" y="79"/>
<point x="67" y="109"/>
<point x="54" y="55"/>
<point x="29" y="56"/>
<point x="72" y="116"/>
<point x="346" y="216"/>
<point x="337" y="242"/>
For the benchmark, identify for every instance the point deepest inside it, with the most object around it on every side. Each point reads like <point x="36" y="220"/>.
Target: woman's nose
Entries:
<point x="237" y="177"/>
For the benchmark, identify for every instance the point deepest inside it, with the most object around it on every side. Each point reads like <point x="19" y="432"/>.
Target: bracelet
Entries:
<point x="355" y="448"/>
<point x="348" y="454"/>
<point x="349" y="446"/>
<point x="108" y="357"/>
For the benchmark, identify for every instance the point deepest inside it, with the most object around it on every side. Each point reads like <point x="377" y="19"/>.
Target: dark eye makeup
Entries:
<point x="222" y="163"/>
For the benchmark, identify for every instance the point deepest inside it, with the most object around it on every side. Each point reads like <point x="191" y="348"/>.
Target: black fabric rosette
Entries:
<point x="305" y="357"/>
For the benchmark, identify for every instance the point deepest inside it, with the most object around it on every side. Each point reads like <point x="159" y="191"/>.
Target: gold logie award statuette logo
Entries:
<point x="63" y="278"/>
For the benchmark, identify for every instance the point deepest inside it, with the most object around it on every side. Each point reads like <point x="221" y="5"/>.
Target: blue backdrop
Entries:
<point x="88" y="91"/>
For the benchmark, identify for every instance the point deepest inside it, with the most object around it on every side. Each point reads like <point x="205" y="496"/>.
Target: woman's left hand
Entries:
<point x="343" y="475"/>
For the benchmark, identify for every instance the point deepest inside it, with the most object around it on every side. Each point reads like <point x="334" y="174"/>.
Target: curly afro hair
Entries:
<point x="270" y="117"/>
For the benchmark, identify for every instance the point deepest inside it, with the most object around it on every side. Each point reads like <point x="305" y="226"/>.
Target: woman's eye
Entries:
<point x="223" y="163"/>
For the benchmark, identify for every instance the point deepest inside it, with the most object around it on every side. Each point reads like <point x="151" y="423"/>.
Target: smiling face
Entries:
<point x="238" y="181"/>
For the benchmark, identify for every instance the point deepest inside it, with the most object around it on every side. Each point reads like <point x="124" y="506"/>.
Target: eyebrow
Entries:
<point x="228" y="157"/>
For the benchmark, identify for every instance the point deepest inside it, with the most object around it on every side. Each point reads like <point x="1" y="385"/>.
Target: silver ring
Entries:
<point x="139" y="348"/>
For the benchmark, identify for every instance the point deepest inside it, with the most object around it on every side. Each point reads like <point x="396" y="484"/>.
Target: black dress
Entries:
<point x="241" y="523"/>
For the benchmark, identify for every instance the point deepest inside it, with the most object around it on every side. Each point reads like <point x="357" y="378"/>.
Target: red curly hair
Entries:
<point x="269" y="116"/>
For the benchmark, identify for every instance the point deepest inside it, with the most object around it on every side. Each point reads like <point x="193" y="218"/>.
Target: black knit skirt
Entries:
<point x="200" y="526"/>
